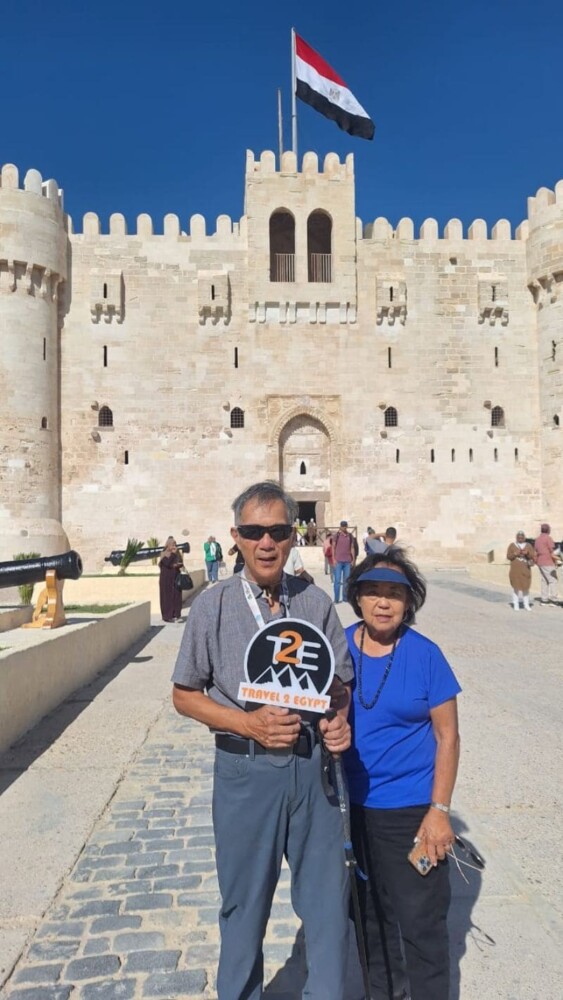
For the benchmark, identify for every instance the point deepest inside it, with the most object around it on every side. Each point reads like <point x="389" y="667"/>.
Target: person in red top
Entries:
<point x="344" y="552"/>
<point x="547" y="565"/>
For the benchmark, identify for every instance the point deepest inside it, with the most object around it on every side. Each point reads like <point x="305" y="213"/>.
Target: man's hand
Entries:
<point x="336" y="734"/>
<point x="275" y="728"/>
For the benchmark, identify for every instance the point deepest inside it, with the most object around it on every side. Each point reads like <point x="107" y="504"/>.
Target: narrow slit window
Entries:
<point x="431" y="454"/>
<point x="44" y="424"/>
<point x="213" y="293"/>
<point x="126" y="458"/>
<point x="44" y="348"/>
<point x="389" y="358"/>
<point x="236" y="357"/>
<point x="105" y="357"/>
<point x="496" y="357"/>
<point x="516" y="454"/>
<point x="391" y="294"/>
<point x="471" y="454"/>
<point x="453" y="454"/>
<point x="302" y="469"/>
<point x="555" y="420"/>
<point x="496" y="454"/>
<point x="105" y="290"/>
<point x="397" y="456"/>
<point x="493" y="293"/>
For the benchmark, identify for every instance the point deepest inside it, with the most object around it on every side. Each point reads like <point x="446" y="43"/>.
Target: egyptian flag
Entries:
<point x="317" y="84"/>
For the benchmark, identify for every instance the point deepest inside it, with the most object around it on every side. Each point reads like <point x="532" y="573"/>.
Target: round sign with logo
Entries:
<point x="289" y="663"/>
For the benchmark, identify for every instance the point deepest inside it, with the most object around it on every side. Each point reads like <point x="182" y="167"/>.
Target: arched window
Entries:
<point x="391" y="417"/>
<point x="282" y="246"/>
<point x="319" y="246"/>
<point x="237" y="417"/>
<point x="497" y="416"/>
<point x="105" y="417"/>
<point x="43" y="423"/>
<point x="556" y="420"/>
<point x="302" y="469"/>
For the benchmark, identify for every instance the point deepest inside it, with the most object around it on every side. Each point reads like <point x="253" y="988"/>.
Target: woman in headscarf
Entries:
<point x="170" y="564"/>
<point x="521" y="557"/>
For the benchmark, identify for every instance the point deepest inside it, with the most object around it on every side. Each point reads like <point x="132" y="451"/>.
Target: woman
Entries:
<point x="170" y="564"/>
<point x="521" y="557"/>
<point x="401" y="773"/>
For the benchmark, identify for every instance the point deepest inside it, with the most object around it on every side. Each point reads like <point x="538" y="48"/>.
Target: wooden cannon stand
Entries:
<point x="52" y="596"/>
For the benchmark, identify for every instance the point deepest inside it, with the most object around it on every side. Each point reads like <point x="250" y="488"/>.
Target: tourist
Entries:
<point x="401" y="773"/>
<point x="239" y="561"/>
<point x="170" y="563"/>
<point x="213" y="556"/>
<point x="328" y="553"/>
<point x="521" y="557"/>
<point x="547" y="565"/>
<point x="311" y="535"/>
<point x="344" y="557"/>
<point x="379" y="543"/>
<point x="268" y="797"/>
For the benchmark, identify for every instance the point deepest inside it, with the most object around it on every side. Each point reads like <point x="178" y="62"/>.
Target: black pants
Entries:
<point x="399" y="904"/>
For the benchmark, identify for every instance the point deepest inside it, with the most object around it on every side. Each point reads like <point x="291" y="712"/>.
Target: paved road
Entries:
<point x="108" y="885"/>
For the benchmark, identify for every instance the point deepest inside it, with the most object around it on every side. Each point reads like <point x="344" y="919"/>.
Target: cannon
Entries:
<point x="116" y="555"/>
<point x="54" y="570"/>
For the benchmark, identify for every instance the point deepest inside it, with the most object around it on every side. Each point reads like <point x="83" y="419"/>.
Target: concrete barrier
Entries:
<point x="40" y="672"/>
<point x="14" y="617"/>
<point x="112" y="589"/>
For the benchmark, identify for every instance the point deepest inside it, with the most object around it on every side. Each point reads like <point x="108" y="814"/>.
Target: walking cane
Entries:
<point x="351" y="863"/>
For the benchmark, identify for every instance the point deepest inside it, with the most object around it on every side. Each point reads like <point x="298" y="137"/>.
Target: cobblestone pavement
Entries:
<point x="135" y="913"/>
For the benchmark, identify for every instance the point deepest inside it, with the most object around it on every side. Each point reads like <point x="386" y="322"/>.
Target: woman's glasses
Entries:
<point x="254" y="532"/>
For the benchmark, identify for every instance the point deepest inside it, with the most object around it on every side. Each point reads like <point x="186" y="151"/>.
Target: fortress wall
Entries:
<point x="169" y="371"/>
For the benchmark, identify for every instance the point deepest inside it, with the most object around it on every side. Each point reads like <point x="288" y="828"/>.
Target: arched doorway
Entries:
<point x="304" y="464"/>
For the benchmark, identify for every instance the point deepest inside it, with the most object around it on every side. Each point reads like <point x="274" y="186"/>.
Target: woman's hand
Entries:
<point x="436" y="831"/>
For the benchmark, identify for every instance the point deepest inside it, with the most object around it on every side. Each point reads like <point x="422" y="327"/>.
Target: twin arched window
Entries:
<point x="282" y="246"/>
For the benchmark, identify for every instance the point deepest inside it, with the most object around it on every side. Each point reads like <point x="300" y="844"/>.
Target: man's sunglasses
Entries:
<point x="254" y="532"/>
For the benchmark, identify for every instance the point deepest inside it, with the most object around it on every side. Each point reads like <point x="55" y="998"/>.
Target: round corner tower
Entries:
<point x="33" y="271"/>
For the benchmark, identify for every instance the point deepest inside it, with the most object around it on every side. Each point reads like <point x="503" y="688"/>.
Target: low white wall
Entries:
<point x="35" y="679"/>
<point x="112" y="589"/>
<point x="14" y="617"/>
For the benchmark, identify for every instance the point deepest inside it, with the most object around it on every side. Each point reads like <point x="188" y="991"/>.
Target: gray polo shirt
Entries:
<point x="220" y="626"/>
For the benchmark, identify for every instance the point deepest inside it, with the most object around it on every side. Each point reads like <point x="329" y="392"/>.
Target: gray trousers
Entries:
<point x="548" y="576"/>
<point x="265" y="807"/>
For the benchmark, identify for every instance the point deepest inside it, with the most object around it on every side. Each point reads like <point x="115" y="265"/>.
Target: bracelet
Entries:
<point x="440" y="805"/>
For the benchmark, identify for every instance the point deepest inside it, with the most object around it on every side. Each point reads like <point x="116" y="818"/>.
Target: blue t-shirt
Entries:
<point x="391" y="761"/>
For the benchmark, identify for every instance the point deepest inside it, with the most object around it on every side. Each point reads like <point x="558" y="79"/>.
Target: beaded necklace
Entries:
<point x="365" y="704"/>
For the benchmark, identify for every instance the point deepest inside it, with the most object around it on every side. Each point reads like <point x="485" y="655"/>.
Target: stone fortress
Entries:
<point x="384" y="376"/>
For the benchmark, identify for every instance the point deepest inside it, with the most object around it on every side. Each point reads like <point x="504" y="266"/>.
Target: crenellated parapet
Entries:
<point x="33" y="183"/>
<point x="332" y="167"/>
<point x="381" y="231"/>
<point x="227" y="231"/>
<point x="33" y="257"/>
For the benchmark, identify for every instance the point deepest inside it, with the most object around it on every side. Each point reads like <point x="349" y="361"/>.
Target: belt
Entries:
<point x="308" y="738"/>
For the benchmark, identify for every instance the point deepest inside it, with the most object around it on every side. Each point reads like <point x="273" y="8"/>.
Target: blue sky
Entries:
<point x="141" y="107"/>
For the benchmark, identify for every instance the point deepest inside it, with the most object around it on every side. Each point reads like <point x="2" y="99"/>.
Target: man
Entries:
<point x="547" y="565"/>
<point x="344" y="553"/>
<point x="380" y="543"/>
<point x="268" y="799"/>
<point x="213" y="556"/>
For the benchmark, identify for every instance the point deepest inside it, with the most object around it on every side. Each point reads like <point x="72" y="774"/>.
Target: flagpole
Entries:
<point x="280" y="125"/>
<point x="293" y="96"/>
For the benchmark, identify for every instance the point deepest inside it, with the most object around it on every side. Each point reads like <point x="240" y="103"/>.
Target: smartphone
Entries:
<point x="419" y="859"/>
